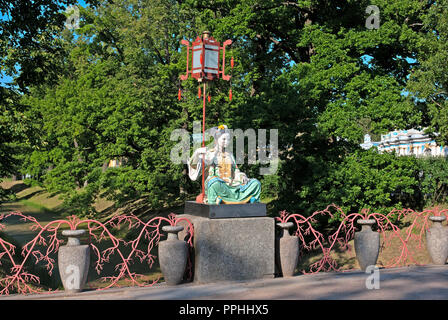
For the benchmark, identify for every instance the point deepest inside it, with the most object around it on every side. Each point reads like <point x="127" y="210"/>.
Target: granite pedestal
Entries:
<point x="230" y="249"/>
<point x="218" y="211"/>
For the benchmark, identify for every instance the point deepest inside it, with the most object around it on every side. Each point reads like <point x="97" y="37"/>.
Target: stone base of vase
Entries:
<point x="232" y="249"/>
<point x="288" y="251"/>
<point x="173" y="255"/>
<point x="73" y="264"/>
<point x="367" y="246"/>
<point x="437" y="240"/>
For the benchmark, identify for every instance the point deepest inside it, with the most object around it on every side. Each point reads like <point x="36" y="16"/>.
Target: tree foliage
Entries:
<point x="429" y="82"/>
<point x="311" y="69"/>
<point x="433" y="180"/>
<point x="28" y="55"/>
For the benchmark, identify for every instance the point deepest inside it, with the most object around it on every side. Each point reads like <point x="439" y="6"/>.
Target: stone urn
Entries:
<point x="437" y="240"/>
<point x="367" y="244"/>
<point x="173" y="255"/>
<point x="73" y="261"/>
<point x="288" y="250"/>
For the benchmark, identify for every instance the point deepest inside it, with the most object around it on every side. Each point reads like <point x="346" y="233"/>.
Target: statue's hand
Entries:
<point x="240" y="176"/>
<point x="200" y="152"/>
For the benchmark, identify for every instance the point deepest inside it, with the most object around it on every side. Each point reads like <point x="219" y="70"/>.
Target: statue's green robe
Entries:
<point x="223" y="180"/>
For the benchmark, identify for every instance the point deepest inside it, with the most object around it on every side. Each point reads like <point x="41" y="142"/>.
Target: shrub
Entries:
<point x="433" y="177"/>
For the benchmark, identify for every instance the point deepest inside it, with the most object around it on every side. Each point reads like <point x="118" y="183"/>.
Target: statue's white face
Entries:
<point x="224" y="140"/>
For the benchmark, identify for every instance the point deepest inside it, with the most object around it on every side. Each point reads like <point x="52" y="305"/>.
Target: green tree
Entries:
<point x="117" y="102"/>
<point x="29" y="55"/>
<point x="314" y="71"/>
<point x="428" y="84"/>
<point x="433" y="178"/>
<point x="310" y="69"/>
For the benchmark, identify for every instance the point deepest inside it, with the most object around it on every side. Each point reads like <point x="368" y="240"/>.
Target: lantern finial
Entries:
<point x="206" y="34"/>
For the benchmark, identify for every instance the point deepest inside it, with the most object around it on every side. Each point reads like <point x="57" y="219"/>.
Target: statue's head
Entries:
<point x="221" y="135"/>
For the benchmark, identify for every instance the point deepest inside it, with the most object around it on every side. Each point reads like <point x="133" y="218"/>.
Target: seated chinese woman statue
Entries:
<point x="224" y="182"/>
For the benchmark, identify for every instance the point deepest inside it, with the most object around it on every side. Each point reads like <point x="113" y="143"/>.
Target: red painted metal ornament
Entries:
<point x="204" y="65"/>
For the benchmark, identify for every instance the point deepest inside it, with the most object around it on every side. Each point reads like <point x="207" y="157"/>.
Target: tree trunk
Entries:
<point x="77" y="149"/>
<point x="185" y="177"/>
<point x="105" y="165"/>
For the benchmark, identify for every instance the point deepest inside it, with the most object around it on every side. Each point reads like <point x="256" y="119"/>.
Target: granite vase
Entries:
<point x="173" y="255"/>
<point x="288" y="247"/>
<point x="367" y="244"/>
<point x="437" y="240"/>
<point x="73" y="261"/>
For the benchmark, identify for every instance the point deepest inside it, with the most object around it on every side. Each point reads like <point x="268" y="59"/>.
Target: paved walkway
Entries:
<point x="407" y="283"/>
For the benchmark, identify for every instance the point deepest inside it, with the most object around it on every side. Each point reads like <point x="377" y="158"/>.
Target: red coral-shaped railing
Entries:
<point x="345" y="231"/>
<point x="148" y="235"/>
<point x="21" y="280"/>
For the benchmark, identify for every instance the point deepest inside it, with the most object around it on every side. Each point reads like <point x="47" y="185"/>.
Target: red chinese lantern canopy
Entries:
<point x="205" y="58"/>
<point x="205" y="52"/>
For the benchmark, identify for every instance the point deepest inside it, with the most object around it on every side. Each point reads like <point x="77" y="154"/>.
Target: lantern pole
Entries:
<point x="203" y="76"/>
<point x="201" y="197"/>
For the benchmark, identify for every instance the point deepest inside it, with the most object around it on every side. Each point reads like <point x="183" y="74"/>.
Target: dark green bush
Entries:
<point x="433" y="177"/>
